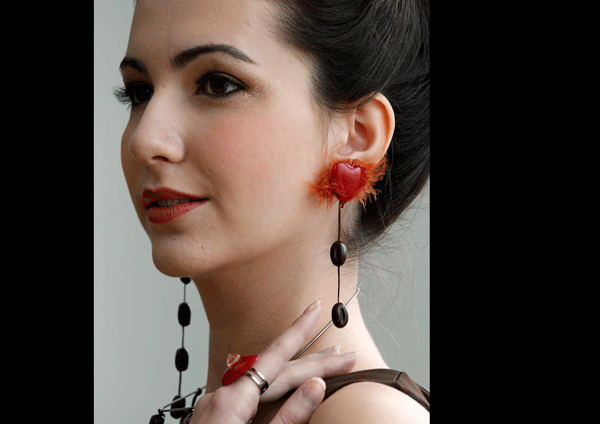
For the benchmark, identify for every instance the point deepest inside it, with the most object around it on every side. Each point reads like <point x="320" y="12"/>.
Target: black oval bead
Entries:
<point x="184" y="314"/>
<point x="339" y="314"/>
<point x="178" y="404"/>
<point x="181" y="359"/>
<point x="185" y="280"/>
<point x="198" y="393"/>
<point x="338" y="253"/>
<point x="157" y="419"/>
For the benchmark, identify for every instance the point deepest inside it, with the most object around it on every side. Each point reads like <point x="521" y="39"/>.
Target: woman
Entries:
<point x="238" y="110"/>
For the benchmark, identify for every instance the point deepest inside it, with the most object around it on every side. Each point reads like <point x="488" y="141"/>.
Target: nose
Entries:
<point x="157" y="138"/>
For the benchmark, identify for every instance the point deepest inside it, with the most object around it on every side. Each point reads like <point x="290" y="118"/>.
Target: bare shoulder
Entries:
<point x="370" y="402"/>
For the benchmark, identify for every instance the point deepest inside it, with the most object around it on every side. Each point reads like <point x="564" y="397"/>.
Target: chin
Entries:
<point x="171" y="260"/>
<point x="168" y="266"/>
<point x="174" y="264"/>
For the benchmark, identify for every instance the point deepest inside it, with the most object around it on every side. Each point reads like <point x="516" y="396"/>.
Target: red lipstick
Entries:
<point x="164" y="205"/>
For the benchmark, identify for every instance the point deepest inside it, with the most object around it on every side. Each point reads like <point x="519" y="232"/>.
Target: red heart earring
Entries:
<point x="345" y="180"/>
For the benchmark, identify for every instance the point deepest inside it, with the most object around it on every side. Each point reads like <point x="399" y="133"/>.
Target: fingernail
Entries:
<point x="313" y="391"/>
<point x="312" y="307"/>
<point x="333" y="350"/>
<point x="349" y="355"/>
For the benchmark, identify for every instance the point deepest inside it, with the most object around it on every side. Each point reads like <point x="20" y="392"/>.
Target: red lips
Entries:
<point x="164" y="214"/>
<point x="150" y="196"/>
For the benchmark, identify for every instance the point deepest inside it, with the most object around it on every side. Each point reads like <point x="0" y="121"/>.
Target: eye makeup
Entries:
<point x="215" y="83"/>
<point x="133" y="94"/>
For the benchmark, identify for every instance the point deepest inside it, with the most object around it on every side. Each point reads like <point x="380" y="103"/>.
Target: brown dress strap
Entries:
<point x="396" y="379"/>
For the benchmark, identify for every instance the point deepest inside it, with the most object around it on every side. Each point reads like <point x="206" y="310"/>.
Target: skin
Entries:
<point x="258" y="249"/>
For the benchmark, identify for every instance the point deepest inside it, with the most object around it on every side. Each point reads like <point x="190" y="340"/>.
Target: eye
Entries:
<point x="218" y="85"/>
<point x="134" y="94"/>
<point x="138" y="93"/>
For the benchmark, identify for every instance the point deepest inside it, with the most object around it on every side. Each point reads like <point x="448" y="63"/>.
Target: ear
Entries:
<point x="367" y="131"/>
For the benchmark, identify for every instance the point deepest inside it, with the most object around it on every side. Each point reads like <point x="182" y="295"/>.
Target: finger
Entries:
<point x="226" y="405"/>
<point x="202" y="402"/>
<point x="302" y="404"/>
<point x="330" y="351"/>
<point x="292" y="376"/>
<point x="272" y="360"/>
<point x="200" y="407"/>
<point x="327" y="367"/>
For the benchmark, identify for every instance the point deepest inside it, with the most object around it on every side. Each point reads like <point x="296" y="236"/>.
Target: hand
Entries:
<point x="237" y="403"/>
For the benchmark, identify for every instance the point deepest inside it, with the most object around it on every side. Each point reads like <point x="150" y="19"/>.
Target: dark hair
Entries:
<point x="359" y="48"/>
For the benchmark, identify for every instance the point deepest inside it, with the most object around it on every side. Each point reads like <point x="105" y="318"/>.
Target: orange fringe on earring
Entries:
<point x="325" y="190"/>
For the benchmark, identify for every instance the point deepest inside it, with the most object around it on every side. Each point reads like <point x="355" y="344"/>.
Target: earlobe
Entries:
<point x="361" y="161"/>
<point x="347" y="179"/>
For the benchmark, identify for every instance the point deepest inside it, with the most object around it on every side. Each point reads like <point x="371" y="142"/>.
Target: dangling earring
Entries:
<point x="339" y="313"/>
<point x="345" y="180"/>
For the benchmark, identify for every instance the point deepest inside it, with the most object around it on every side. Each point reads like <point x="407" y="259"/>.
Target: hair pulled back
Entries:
<point x="359" y="48"/>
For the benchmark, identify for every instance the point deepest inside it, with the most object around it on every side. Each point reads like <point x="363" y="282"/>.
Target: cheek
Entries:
<point x="262" y="156"/>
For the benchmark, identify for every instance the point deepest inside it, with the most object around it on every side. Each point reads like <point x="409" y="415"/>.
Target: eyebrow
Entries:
<point x="183" y="58"/>
<point x="132" y="63"/>
<point x="186" y="56"/>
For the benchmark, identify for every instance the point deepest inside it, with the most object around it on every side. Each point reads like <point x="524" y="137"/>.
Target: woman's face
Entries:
<point x="235" y="124"/>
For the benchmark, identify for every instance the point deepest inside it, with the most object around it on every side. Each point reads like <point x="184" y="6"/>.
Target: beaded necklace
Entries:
<point x="178" y="408"/>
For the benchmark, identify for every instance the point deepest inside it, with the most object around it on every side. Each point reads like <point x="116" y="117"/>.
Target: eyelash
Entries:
<point x="127" y="96"/>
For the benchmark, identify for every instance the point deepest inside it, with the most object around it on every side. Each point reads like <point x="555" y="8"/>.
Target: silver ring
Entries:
<point x="259" y="379"/>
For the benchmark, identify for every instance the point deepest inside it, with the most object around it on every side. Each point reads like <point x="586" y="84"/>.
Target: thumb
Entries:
<point x="300" y="406"/>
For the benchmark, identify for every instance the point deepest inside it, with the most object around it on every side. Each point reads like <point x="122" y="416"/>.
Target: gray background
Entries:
<point x="136" y="332"/>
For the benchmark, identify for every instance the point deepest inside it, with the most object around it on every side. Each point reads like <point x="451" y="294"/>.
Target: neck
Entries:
<point x="248" y="307"/>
